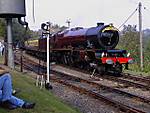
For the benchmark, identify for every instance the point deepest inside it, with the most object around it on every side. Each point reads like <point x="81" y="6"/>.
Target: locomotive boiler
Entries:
<point x="99" y="37"/>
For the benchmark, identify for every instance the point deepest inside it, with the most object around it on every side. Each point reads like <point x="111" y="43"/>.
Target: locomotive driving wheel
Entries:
<point x="101" y="69"/>
<point x="118" y="68"/>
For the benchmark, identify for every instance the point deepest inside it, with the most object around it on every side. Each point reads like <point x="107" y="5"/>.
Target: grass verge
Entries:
<point x="46" y="102"/>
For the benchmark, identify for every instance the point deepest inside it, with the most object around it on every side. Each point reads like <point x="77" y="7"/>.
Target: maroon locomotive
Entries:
<point x="89" y="48"/>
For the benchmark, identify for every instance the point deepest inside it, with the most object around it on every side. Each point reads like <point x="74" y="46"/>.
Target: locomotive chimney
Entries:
<point x="100" y="24"/>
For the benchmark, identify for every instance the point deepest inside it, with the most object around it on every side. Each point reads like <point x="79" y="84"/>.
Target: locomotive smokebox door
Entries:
<point x="12" y="8"/>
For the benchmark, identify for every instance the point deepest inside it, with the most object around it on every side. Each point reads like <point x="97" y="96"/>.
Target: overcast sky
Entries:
<point x="86" y="13"/>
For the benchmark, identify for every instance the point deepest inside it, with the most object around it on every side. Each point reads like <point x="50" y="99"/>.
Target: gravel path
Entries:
<point x="82" y="102"/>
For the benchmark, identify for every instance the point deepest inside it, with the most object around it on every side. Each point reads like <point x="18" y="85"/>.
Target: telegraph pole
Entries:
<point x="141" y="39"/>
<point x="68" y="22"/>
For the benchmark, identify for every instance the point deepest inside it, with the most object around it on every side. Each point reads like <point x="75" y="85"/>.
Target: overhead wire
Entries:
<point x="128" y="18"/>
<point x="33" y="10"/>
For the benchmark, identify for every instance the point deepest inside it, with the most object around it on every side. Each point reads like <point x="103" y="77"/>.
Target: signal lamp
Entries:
<point x="44" y="26"/>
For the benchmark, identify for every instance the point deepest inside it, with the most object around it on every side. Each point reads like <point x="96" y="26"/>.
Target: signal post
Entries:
<point x="46" y="28"/>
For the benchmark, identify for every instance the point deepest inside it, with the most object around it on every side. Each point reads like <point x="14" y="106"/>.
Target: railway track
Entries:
<point x="128" y="79"/>
<point x="137" y="78"/>
<point x="136" y="81"/>
<point x="101" y="91"/>
<point x="129" y="82"/>
<point x="123" y="101"/>
<point x="135" y="87"/>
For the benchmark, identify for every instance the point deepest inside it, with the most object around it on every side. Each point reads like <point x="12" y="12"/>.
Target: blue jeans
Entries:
<point x="6" y="91"/>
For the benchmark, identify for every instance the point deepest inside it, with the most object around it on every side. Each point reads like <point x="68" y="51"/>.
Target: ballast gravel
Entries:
<point x="80" y="101"/>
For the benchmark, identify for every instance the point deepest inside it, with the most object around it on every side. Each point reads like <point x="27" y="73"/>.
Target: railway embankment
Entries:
<point x="45" y="101"/>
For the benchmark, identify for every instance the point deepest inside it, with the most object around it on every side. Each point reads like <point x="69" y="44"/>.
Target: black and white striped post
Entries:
<point x="46" y="28"/>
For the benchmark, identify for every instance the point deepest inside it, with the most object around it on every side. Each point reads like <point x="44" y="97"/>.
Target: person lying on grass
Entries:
<point x="7" y="100"/>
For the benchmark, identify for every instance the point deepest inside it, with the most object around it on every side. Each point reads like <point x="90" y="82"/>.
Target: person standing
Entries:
<point x="1" y="48"/>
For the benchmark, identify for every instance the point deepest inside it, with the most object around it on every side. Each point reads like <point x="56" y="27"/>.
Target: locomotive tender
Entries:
<point x="88" y="48"/>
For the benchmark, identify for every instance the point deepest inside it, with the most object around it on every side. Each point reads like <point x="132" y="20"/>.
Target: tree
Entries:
<point x="55" y="28"/>
<point x="19" y="32"/>
<point x="129" y="40"/>
<point x="2" y="28"/>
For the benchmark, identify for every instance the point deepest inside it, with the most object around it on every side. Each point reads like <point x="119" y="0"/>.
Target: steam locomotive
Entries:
<point x="88" y="48"/>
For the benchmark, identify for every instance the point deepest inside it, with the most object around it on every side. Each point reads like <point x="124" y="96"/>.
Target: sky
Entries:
<point x="86" y="13"/>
